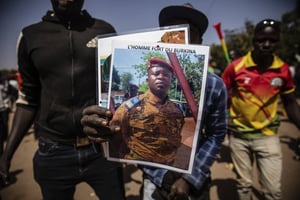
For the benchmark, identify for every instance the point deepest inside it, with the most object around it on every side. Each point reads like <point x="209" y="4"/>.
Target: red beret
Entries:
<point x="154" y="62"/>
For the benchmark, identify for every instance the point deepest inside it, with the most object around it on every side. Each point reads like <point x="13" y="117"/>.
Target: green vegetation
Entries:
<point x="240" y="40"/>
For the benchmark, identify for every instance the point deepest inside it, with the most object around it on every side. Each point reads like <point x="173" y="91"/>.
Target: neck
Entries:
<point x="68" y="16"/>
<point x="158" y="98"/>
<point x="262" y="60"/>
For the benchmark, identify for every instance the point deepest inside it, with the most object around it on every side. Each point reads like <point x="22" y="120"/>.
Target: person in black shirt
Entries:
<point x="57" y="63"/>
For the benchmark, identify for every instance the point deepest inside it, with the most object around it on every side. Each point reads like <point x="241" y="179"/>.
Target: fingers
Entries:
<point x="100" y="111"/>
<point x="91" y="131"/>
<point x="95" y="123"/>
<point x="179" y="190"/>
<point x="173" y="192"/>
<point x="97" y="139"/>
<point x="115" y="129"/>
<point x="4" y="179"/>
<point x="95" y="117"/>
<point x="101" y="131"/>
<point x="104" y="135"/>
<point x="178" y="196"/>
<point x="93" y="120"/>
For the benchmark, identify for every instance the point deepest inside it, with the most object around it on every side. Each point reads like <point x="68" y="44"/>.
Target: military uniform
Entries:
<point x="151" y="132"/>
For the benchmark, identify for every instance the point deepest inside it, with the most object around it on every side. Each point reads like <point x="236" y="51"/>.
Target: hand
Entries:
<point x="4" y="173"/>
<point x="232" y="127"/>
<point x="95" y="122"/>
<point x="179" y="190"/>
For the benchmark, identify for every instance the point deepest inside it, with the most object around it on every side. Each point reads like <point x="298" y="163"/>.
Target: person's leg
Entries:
<point x="105" y="177"/>
<point x="269" y="164"/>
<point x="56" y="170"/>
<point x="242" y="160"/>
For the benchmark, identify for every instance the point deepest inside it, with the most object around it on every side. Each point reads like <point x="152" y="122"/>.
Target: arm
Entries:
<point x="292" y="108"/>
<point x="228" y="75"/>
<point x="23" y="119"/>
<point x="27" y="105"/>
<point x="228" y="78"/>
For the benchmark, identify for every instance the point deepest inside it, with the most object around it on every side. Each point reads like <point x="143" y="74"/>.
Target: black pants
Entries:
<point x="58" y="168"/>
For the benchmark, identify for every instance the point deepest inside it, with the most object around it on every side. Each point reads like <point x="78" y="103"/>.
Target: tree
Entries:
<point x="105" y="73"/>
<point x="240" y="40"/>
<point x="290" y="41"/>
<point x="115" y="80"/>
<point x="126" y="78"/>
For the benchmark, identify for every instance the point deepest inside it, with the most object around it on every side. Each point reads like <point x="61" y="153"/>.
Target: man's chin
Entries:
<point x="161" y="88"/>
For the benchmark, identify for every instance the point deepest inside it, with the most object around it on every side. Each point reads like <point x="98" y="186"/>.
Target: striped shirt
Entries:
<point x="215" y="126"/>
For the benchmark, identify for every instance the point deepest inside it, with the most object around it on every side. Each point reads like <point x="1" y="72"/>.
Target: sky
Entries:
<point x="130" y="15"/>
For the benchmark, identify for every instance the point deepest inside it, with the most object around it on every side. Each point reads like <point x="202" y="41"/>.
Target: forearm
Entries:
<point x="292" y="108"/>
<point x="22" y="121"/>
<point x="293" y="112"/>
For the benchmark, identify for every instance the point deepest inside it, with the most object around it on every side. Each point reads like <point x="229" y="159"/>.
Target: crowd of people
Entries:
<point x="58" y="98"/>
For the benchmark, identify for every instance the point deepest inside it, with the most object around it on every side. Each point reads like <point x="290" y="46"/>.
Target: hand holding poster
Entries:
<point x="158" y="127"/>
<point x="174" y="34"/>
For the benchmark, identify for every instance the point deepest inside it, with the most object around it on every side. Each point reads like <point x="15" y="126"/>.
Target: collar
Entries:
<point x="154" y="100"/>
<point x="248" y="61"/>
<point x="51" y="16"/>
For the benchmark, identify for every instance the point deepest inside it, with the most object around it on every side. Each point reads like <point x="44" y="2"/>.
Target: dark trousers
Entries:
<point x="58" y="168"/>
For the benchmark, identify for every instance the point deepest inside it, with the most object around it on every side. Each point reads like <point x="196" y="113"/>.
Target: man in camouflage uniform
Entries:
<point x="150" y="123"/>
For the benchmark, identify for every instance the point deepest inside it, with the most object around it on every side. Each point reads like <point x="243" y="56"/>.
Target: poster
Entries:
<point x="156" y="132"/>
<point x="170" y="34"/>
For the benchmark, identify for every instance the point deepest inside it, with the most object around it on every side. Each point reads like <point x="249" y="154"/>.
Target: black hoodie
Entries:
<point x="58" y="69"/>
